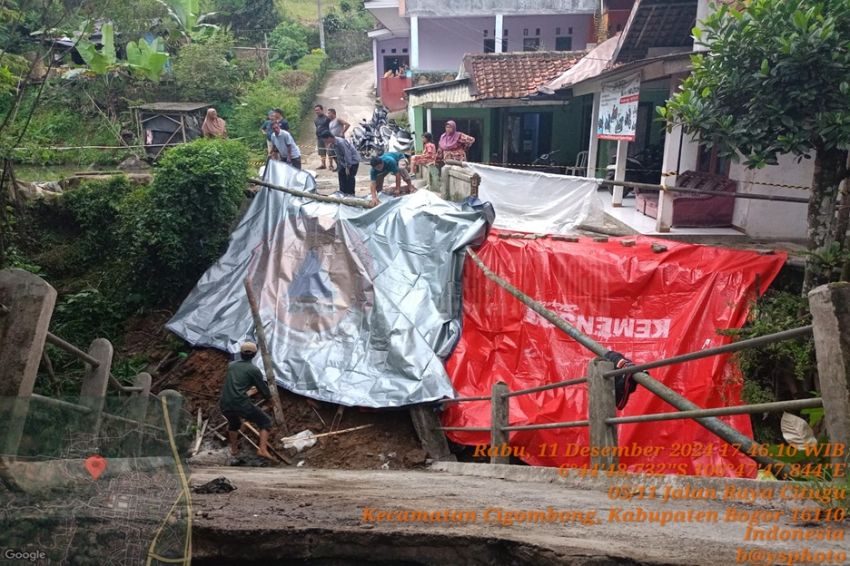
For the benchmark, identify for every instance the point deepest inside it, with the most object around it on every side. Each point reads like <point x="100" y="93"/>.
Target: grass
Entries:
<point x="305" y="10"/>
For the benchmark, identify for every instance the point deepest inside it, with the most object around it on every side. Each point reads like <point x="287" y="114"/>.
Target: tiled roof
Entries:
<point x="515" y="75"/>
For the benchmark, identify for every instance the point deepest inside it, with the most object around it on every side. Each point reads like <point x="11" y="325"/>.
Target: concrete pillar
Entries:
<point x="426" y="423"/>
<point x="26" y="304"/>
<point x="29" y="302"/>
<point x="375" y="66"/>
<point x="620" y="172"/>
<point x="499" y="418"/>
<point x="602" y="405"/>
<point x="96" y="382"/>
<point x="428" y="124"/>
<point x="830" y="306"/>
<point x="414" y="43"/>
<point x="593" y="144"/>
<point x="500" y="24"/>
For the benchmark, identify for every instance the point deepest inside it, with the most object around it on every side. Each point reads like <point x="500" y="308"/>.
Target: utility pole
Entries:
<point x="321" y="25"/>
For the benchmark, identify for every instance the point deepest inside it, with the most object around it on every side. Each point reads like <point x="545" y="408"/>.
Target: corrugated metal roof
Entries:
<point x="454" y="92"/>
<point x="173" y="106"/>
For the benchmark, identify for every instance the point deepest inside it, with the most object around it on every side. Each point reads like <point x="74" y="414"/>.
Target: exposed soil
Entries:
<point x="389" y="443"/>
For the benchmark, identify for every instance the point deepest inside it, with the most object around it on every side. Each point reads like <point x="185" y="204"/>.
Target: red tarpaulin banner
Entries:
<point x="643" y="304"/>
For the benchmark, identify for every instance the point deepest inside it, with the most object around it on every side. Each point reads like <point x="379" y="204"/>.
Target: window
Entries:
<point x="563" y="44"/>
<point x="537" y="31"/>
<point x="490" y="46"/>
<point x="525" y="31"/>
<point x="485" y="33"/>
<point x="404" y="50"/>
<point x="393" y="50"/>
<point x="531" y="44"/>
<point x="557" y="31"/>
<point x="709" y="162"/>
<point x="570" y="31"/>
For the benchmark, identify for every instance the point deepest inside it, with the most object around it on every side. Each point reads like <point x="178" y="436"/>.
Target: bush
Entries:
<point x="279" y="91"/>
<point x="203" y="72"/>
<point x="94" y="209"/>
<point x="291" y="41"/>
<point x="248" y="18"/>
<point x="253" y="109"/>
<point x="181" y="224"/>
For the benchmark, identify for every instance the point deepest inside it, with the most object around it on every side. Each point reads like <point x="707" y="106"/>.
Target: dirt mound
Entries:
<point x="389" y="443"/>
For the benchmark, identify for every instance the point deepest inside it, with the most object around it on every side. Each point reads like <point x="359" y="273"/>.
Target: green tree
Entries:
<point x="247" y="19"/>
<point x="203" y="72"/>
<point x="291" y="41"/>
<point x="776" y="80"/>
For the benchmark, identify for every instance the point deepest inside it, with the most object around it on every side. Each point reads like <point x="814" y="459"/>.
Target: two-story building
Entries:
<point x="434" y="37"/>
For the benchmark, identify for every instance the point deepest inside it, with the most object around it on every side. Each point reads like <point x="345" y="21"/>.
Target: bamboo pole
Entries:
<point x="313" y="196"/>
<point x="264" y="351"/>
<point x="713" y="424"/>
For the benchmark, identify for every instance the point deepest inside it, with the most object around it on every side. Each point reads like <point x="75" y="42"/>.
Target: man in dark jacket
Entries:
<point x="236" y="405"/>
<point x="347" y="158"/>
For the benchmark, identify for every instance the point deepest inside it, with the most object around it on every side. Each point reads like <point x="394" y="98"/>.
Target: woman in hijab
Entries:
<point x="213" y="126"/>
<point x="453" y="144"/>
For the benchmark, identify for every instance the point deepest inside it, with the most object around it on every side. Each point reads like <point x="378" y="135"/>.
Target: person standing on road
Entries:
<point x="235" y="404"/>
<point x="338" y="127"/>
<point x="322" y="124"/>
<point x="284" y="147"/>
<point x="347" y="159"/>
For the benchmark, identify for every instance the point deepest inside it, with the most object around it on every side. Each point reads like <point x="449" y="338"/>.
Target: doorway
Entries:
<point x="472" y="126"/>
<point x="528" y="135"/>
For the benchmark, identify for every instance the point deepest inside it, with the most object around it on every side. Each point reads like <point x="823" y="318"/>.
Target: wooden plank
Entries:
<point x="601" y="406"/>
<point x="499" y="415"/>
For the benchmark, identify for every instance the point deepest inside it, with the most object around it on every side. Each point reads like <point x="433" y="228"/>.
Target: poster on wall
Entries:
<point x="618" y="109"/>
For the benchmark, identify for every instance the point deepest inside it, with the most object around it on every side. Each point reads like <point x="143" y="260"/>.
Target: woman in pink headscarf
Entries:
<point x="213" y="126"/>
<point x="453" y="144"/>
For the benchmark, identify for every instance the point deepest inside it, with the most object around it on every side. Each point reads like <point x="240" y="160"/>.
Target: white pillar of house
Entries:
<point x="499" y="30"/>
<point x="375" y="74"/>
<point x="428" y="126"/>
<point x="414" y="43"/>
<point x="593" y="144"/>
<point x="669" y="164"/>
<point x="620" y="171"/>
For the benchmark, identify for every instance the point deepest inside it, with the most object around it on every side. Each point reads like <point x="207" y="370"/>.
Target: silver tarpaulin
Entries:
<point x="359" y="306"/>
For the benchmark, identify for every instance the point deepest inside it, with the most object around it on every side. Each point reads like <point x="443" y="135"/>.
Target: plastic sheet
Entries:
<point x="642" y="304"/>
<point x="536" y="202"/>
<point x="285" y="175"/>
<point x="360" y="306"/>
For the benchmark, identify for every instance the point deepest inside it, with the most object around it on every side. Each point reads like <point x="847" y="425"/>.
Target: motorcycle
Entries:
<point x="397" y="139"/>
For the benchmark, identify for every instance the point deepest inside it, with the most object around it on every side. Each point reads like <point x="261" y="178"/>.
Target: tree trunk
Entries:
<point x="830" y="170"/>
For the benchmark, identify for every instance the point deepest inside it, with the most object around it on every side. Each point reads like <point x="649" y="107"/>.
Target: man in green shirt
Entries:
<point x="384" y="165"/>
<point x="236" y="405"/>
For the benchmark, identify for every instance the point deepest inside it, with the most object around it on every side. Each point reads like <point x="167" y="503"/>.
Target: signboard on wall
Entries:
<point x="618" y="109"/>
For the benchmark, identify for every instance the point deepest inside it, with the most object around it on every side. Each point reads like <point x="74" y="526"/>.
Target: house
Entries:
<point x="652" y="55"/>
<point x="434" y="37"/>
<point x="490" y="101"/>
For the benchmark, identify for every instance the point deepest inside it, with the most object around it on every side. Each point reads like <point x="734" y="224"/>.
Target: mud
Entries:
<point x="389" y="443"/>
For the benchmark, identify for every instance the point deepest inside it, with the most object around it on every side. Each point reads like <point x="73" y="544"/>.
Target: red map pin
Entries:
<point x="95" y="465"/>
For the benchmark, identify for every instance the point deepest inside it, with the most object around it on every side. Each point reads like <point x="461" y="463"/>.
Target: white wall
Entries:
<point x="765" y="219"/>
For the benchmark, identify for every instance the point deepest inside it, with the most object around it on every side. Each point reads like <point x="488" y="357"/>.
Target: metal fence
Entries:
<point x="602" y="419"/>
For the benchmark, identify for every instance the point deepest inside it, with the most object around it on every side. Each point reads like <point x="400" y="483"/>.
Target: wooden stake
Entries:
<point x="264" y="350"/>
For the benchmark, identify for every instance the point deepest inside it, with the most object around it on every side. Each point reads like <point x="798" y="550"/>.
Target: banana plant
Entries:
<point x="103" y="61"/>
<point x="144" y="59"/>
<point x="187" y="15"/>
<point x="147" y="59"/>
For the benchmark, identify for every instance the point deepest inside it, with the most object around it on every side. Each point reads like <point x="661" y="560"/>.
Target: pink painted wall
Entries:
<point x="548" y="25"/>
<point x="385" y="49"/>
<point x="444" y="42"/>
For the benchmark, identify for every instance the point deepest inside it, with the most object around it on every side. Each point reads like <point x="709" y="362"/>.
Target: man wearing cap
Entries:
<point x="235" y="404"/>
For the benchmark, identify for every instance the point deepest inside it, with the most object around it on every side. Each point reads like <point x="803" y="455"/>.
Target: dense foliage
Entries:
<point x="293" y="91"/>
<point x="247" y="19"/>
<point x="204" y="72"/>
<point x="775" y="81"/>
<point x="292" y="40"/>
<point x="181" y="225"/>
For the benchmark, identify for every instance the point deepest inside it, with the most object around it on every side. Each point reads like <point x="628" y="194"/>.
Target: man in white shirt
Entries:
<point x="283" y="146"/>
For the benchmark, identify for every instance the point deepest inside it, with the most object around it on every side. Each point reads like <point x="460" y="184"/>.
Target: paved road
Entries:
<point x="352" y="93"/>
<point x="337" y="514"/>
